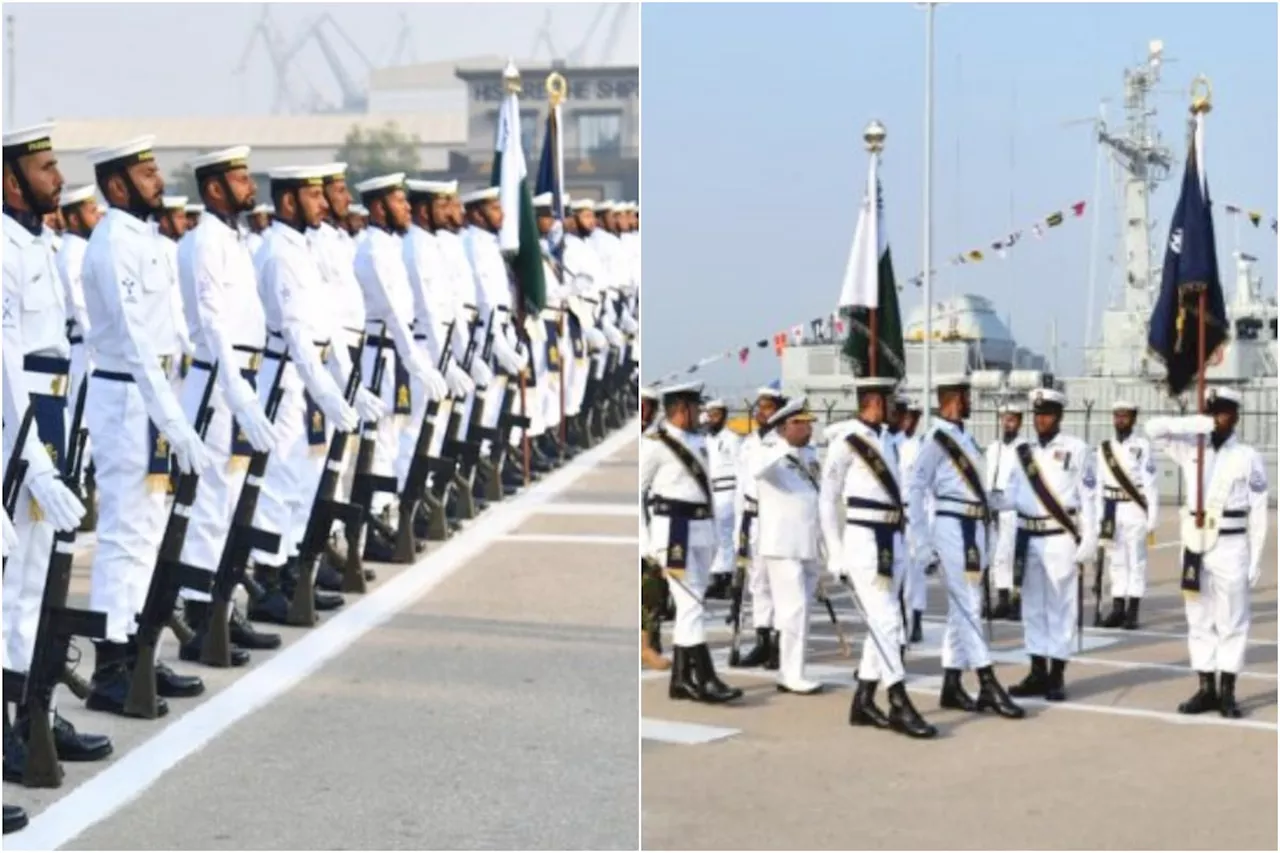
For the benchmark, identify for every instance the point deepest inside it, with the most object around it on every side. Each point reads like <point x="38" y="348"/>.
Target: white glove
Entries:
<point x="628" y="325"/>
<point x="10" y="535"/>
<point x="1255" y="573"/>
<point x="596" y="341"/>
<point x="506" y="356"/>
<point x="433" y="383"/>
<point x="59" y="504"/>
<point x="187" y="447"/>
<point x="1198" y="424"/>
<point x="257" y="430"/>
<point x="460" y="384"/>
<point x="369" y="406"/>
<point x="614" y="337"/>
<point x="337" y="412"/>
<point x="481" y="373"/>
<point x="1087" y="552"/>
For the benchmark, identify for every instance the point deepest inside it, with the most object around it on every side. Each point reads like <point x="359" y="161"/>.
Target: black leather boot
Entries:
<point x="1227" y="697"/>
<point x="171" y="685"/>
<point x="775" y="651"/>
<point x="273" y="606"/>
<point x="329" y="578"/>
<point x="710" y="688"/>
<point x="719" y="588"/>
<point x="323" y="600"/>
<point x="992" y="697"/>
<point x="1115" y="618"/>
<point x="14" y="818"/>
<point x="245" y="636"/>
<point x="1003" y="606"/>
<point x="1036" y="682"/>
<point x="863" y="710"/>
<point x="196" y="614"/>
<point x="1015" y="608"/>
<point x="376" y="546"/>
<point x="903" y="716"/>
<point x="109" y="686"/>
<point x="953" y="694"/>
<point x="1056" y="691"/>
<point x="1204" y="699"/>
<point x="760" y="652"/>
<point x="682" y="683"/>
<point x="15" y="752"/>
<point x="74" y="746"/>
<point x="1131" y="615"/>
<point x="917" y="626"/>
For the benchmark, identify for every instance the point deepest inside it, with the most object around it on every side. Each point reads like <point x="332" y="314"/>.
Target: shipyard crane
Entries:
<point x="543" y="36"/>
<point x="403" y="49"/>
<point x="354" y="98"/>
<point x="273" y="43"/>
<point x="577" y="56"/>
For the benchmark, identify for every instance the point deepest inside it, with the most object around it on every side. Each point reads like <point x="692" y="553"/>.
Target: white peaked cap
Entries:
<point x="543" y="199"/>
<point x="333" y="170"/>
<point x="262" y="207"/>
<point x="483" y="194"/>
<point x="78" y="195"/>
<point x="359" y="210"/>
<point x="382" y="182"/>
<point x="770" y="393"/>
<point x="1047" y="396"/>
<point x="214" y="158"/>
<point x="606" y="206"/>
<point x="174" y="202"/>
<point x="137" y="145"/>
<point x="952" y="380"/>
<point x="1124" y="406"/>
<point x="717" y="403"/>
<point x="1011" y="409"/>
<point x="432" y="187"/>
<point x="1230" y="395"/>
<point x="297" y="173"/>
<point x="650" y="393"/>
<point x="582" y="204"/>
<point x="790" y="410"/>
<point x="195" y="208"/>
<point x="24" y="135"/>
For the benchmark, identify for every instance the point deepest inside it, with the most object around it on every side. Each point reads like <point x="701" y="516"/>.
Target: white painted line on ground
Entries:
<point x="569" y="538"/>
<point x="685" y="734"/>
<point x="567" y="508"/>
<point x="140" y="768"/>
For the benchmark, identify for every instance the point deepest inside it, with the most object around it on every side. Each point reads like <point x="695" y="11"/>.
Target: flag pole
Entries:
<point x="874" y="135"/>
<point x="1200" y="106"/>
<point x="557" y="89"/>
<point x="513" y="86"/>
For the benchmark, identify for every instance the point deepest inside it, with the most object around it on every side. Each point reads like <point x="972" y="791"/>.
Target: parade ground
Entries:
<point x="1114" y="767"/>
<point x="484" y="697"/>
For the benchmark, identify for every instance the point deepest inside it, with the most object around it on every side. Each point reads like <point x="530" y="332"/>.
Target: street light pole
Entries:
<point x="927" y="403"/>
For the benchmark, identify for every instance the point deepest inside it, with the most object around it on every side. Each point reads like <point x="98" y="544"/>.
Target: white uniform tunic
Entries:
<point x="131" y="340"/>
<point x="915" y="584"/>
<point x="681" y="533"/>
<point x="723" y="448"/>
<point x="1235" y="488"/>
<point x="787" y="486"/>
<point x="461" y="284"/>
<point x="747" y="514"/>
<point x="37" y="354"/>
<point x="958" y="536"/>
<point x="493" y="295"/>
<point x="1000" y="462"/>
<point x="70" y="261"/>
<point x="1049" y="593"/>
<point x="862" y="527"/>
<point x="1129" y="526"/>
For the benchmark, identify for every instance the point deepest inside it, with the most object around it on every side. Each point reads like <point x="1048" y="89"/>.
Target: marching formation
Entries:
<point x="887" y="507"/>
<point x="265" y="396"/>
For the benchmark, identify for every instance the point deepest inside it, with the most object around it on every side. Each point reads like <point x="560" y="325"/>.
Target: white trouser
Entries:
<point x="689" y="628"/>
<point x="1218" y="618"/>
<point x="726" y="543"/>
<point x="881" y="650"/>
<point x="962" y="644"/>
<point x="352" y="340"/>
<point x="578" y="388"/>
<point x="220" y="483"/>
<point x="1050" y="596"/>
<point x="282" y="493"/>
<point x="1127" y="555"/>
<point x="387" y="446"/>
<point x="761" y="595"/>
<point x="24" y="576"/>
<point x="793" y="583"/>
<point x="915" y="585"/>
<point x="1002" y="557"/>
<point x="79" y="370"/>
<point x="526" y="402"/>
<point x="598" y="362"/>
<point x="131" y="511"/>
<point x="411" y="427"/>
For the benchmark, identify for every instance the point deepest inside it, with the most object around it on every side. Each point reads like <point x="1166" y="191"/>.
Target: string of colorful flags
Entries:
<point x="1255" y="217"/>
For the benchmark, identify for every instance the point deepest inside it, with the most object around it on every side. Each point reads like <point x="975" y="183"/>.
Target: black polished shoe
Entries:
<point x="109" y="687"/>
<point x="370" y="575"/>
<point x="1056" y="691"/>
<point x="775" y="652"/>
<point x="327" y="577"/>
<point x="15" y="818"/>
<point x="710" y="688"/>
<point x="682" y="685"/>
<point x="74" y="746"/>
<point x="1003" y="606"/>
<point x="953" y="695"/>
<point x="328" y="600"/>
<point x="992" y="697"/>
<point x="1227" y="706"/>
<point x="1116" y="617"/>
<point x="863" y="710"/>
<point x="719" y="588"/>
<point x="171" y="685"/>
<point x="760" y="652"/>
<point x="376" y="548"/>
<point x="1204" y="699"/>
<point x="245" y="636"/>
<point x="903" y="716"/>
<point x="197" y="614"/>
<point x="1036" y="682"/>
<point x="15" y="754"/>
<point x="1131" y="615"/>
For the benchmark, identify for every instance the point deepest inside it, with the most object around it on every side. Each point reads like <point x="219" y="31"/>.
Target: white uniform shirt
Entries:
<point x="432" y="297"/>
<point x="182" y="334"/>
<point x="844" y="476"/>
<point x="787" y="484"/>
<point x="70" y="263"/>
<point x="663" y="475"/>
<point x="379" y="267"/>
<point x="130" y="308"/>
<point x="493" y="289"/>
<point x="1066" y="466"/>
<point x="1138" y="461"/>
<point x="336" y="254"/>
<point x="254" y="242"/>
<point x="936" y="477"/>
<point x="220" y="299"/>
<point x="723" y="449"/>
<point x="1000" y="462"/>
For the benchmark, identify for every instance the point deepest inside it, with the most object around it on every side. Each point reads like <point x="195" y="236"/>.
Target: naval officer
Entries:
<point x="1128" y="511"/>
<point x="1220" y="566"/>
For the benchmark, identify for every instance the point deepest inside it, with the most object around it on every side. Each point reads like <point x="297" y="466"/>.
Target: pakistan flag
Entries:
<point x="518" y="238"/>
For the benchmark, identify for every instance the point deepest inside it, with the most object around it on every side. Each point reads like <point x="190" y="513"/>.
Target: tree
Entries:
<point x="379" y="151"/>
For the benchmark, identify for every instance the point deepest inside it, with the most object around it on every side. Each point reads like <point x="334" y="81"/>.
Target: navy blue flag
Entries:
<point x="549" y="182"/>
<point x="1190" y="267"/>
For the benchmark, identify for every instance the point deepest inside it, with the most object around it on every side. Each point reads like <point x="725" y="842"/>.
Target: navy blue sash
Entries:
<point x="315" y="424"/>
<point x="240" y="446"/>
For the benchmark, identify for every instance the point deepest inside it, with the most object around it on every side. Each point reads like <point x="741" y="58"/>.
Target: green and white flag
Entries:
<point x="519" y="233"/>
<point x="869" y="286"/>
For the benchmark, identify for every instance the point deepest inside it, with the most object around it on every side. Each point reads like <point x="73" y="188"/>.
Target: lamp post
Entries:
<point x="928" y="213"/>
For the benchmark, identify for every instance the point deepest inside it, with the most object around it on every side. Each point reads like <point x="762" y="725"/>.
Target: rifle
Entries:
<point x="1097" y="586"/>
<point x="422" y="464"/>
<point x="58" y="624"/>
<point x="242" y="539"/>
<point x="170" y="575"/>
<point x="737" y="588"/>
<point x="365" y="485"/>
<point x="464" y="451"/>
<point x="325" y="510"/>
<point x="16" y="471"/>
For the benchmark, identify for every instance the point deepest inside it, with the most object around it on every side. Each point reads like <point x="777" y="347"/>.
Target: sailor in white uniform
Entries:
<point x="1128" y="512"/>
<point x="258" y="220"/>
<point x="194" y="212"/>
<point x="914" y="588"/>
<point x="947" y="473"/>
<point x="1000" y="462"/>
<point x="36" y="366"/>
<point x="861" y="509"/>
<point x="171" y="228"/>
<point x="681" y="537"/>
<point x="746" y="522"/>
<point x="81" y="213"/>
<point x="131" y="411"/>
<point x="1222" y="561"/>
<point x="785" y="467"/>
<point x="723" y="447"/>
<point x="1052" y="490"/>
<point x="650" y="402"/>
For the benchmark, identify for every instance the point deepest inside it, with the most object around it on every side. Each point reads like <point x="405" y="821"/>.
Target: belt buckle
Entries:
<point x="58" y="387"/>
<point x="166" y="362"/>
<point x="255" y="361"/>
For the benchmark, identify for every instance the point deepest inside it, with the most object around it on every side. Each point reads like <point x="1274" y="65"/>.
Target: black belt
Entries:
<point x="680" y="509"/>
<point x="113" y="375"/>
<point x="77" y="340"/>
<point x="374" y="341"/>
<point x="864" y="503"/>
<point x="48" y="364"/>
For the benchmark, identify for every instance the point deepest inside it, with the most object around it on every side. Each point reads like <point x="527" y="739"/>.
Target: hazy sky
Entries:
<point x="754" y="164"/>
<point x="173" y="59"/>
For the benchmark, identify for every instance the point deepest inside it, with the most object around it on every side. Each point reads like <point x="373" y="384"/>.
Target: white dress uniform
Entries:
<point x="70" y="262"/>
<point x="1123" y="522"/>
<point x="915" y="585"/>
<point x="723" y="449"/>
<point x="296" y="300"/>
<point x="36" y="348"/>
<point x="1000" y="462"/>
<point x="580" y="266"/>
<point x="388" y="300"/>
<point x="130" y="410"/>
<point x="787" y="485"/>
<point x="180" y="327"/>
<point x="747" y="523"/>
<point x="219" y="297"/>
<point x="1235" y="503"/>
<point x="1049" y="555"/>
<point x="461" y="282"/>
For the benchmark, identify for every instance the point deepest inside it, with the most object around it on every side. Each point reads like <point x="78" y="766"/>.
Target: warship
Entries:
<point x="970" y="338"/>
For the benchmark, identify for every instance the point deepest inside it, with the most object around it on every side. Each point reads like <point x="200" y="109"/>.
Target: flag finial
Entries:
<point x="557" y="88"/>
<point x="1201" y="95"/>
<point x="874" y="136"/>
<point x="511" y="79"/>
